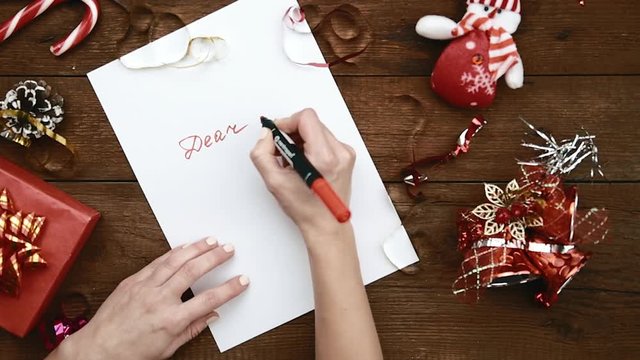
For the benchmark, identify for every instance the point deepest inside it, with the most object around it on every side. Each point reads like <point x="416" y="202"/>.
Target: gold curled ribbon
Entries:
<point x="18" y="235"/>
<point x="26" y="141"/>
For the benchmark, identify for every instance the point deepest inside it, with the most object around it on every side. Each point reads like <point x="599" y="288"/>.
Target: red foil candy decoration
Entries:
<point x="527" y="232"/>
<point x="18" y="235"/>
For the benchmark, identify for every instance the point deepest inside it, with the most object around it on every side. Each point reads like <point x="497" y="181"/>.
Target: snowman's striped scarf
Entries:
<point x="503" y="53"/>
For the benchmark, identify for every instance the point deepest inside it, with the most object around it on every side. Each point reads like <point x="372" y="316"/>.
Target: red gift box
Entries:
<point x="68" y="224"/>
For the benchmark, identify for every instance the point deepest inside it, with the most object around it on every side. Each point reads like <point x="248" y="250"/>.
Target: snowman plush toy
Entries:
<point x="482" y="51"/>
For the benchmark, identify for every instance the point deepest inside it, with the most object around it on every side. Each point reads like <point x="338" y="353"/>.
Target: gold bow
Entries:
<point x="18" y="235"/>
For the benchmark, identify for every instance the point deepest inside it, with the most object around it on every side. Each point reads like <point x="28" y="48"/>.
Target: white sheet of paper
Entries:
<point x="217" y="191"/>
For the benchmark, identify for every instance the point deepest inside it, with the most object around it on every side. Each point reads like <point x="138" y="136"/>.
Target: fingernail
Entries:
<point x="264" y="133"/>
<point x="228" y="248"/>
<point x="186" y="245"/>
<point x="244" y="280"/>
<point x="212" y="319"/>
<point x="211" y="241"/>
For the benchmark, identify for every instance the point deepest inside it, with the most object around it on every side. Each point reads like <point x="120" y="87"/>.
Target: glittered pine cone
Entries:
<point x="34" y="99"/>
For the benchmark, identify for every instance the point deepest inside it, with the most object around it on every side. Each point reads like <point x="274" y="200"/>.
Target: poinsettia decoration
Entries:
<point x="509" y="210"/>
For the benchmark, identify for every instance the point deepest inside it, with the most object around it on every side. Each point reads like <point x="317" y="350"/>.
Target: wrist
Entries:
<point x="77" y="346"/>
<point x="67" y="349"/>
<point x="330" y="235"/>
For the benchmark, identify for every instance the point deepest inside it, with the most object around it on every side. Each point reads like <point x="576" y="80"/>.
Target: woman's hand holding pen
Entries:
<point x="333" y="159"/>
<point x="343" y="316"/>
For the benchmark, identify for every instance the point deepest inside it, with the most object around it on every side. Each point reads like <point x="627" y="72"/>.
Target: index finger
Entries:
<point x="306" y="123"/>
<point x="212" y="299"/>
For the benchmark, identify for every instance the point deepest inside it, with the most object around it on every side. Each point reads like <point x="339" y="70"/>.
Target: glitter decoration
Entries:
<point x="562" y="157"/>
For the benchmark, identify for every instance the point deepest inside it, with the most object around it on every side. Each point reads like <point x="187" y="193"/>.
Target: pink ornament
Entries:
<point x="36" y="8"/>
<point x="56" y="328"/>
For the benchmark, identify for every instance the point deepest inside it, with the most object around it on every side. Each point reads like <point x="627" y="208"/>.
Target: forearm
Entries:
<point x="344" y="324"/>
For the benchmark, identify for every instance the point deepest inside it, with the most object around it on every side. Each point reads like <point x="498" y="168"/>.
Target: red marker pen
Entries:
<point x="309" y="174"/>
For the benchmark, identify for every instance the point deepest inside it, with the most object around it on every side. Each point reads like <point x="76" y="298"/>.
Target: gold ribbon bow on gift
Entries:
<point x="18" y="235"/>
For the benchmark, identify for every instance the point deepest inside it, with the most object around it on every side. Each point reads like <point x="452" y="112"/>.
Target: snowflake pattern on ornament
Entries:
<point x="480" y="80"/>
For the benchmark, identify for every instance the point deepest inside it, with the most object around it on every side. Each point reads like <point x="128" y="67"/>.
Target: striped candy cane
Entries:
<point x="33" y="10"/>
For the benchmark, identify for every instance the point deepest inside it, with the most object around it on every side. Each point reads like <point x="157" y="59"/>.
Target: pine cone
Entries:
<point x="31" y="99"/>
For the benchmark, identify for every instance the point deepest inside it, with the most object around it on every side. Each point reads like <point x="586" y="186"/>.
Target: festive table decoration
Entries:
<point x="26" y="240"/>
<point x="414" y="177"/>
<point x="18" y="238"/>
<point x="533" y="229"/>
<point x="144" y="22"/>
<point x="54" y="329"/>
<point x="295" y="24"/>
<point x="38" y="7"/>
<point x="562" y="157"/>
<point x="30" y="111"/>
<point x="482" y="51"/>
<point x="197" y="51"/>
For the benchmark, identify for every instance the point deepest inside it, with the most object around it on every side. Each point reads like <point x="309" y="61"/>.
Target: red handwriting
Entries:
<point x="195" y="143"/>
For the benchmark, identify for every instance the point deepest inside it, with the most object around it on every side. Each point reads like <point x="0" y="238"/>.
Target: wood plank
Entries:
<point x="387" y="120"/>
<point x="598" y="314"/>
<point x="422" y="324"/>
<point x="555" y="37"/>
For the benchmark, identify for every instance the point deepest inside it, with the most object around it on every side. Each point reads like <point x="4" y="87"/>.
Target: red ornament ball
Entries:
<point x="503" y="216"/>
<point x="518" y="210"/>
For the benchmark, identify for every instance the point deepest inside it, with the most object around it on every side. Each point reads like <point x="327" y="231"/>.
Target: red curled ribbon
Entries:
<point x="413" y="177"/>
<point x="18" y="235"/>
<point x="531" y="230"/>
<point x="295" y="20"/>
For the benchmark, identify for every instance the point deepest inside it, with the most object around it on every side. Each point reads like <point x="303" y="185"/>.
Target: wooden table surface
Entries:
<point x="582" y="66"/>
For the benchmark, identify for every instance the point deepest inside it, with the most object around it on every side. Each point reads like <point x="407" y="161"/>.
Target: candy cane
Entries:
<point x="33" y="10"/>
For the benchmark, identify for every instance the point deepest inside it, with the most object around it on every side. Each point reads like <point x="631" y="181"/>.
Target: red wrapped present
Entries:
<point x="42" y="231"/>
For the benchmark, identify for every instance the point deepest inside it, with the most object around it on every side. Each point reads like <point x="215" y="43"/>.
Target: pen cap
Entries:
<point x="333" y="202"/>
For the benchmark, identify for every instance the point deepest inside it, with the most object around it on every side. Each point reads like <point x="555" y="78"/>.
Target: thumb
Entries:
<point x="263" y="156"/>
<point x="192" y="331"/>
<point x="276" y="177"/>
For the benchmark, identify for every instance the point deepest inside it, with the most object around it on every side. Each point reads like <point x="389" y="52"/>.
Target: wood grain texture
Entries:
<point x="387" y="119"/>
<point x="417" y="316"/>
<point x="556" y="36"/>
<point x="581" y="66"/>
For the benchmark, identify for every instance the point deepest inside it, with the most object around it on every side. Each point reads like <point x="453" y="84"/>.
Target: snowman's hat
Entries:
<point x="509" y="5"/>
